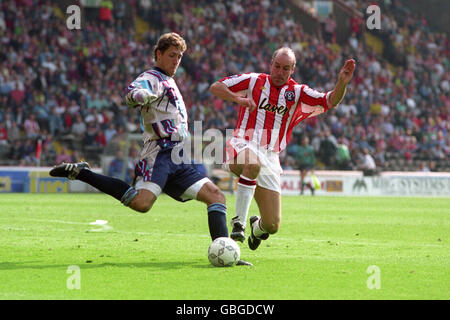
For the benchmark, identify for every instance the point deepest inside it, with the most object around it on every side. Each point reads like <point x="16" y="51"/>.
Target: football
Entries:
<point x="224" y="252"/>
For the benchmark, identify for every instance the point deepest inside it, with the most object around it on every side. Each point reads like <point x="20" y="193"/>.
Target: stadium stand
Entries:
<point x="65" y="87"/>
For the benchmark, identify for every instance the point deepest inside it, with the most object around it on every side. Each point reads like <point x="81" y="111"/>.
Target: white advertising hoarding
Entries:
<point x="354" y="183"/>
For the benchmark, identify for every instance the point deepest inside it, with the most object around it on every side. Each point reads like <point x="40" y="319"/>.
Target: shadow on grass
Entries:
<point x="163" y="265"/>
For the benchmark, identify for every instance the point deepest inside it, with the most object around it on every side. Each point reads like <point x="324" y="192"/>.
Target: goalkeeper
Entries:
<point x="165" y="129"/>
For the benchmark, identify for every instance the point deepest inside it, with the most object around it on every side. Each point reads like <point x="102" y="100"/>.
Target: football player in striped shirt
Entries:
<point x="271" y="105"/>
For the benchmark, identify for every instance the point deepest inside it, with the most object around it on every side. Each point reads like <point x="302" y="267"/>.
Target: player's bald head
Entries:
<point x="285" y="51"/>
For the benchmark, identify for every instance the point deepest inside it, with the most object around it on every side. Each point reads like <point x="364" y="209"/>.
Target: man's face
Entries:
<point x="281" y="68"/>
<point x="305" y="141"/>
<point x="169" y="60"/>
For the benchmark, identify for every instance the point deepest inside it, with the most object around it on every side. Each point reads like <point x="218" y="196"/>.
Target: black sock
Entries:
<point x="217" y="220"/>
<point x="112" y="186"/>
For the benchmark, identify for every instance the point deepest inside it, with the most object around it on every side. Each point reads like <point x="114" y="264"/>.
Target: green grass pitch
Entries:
<point x="327" y="248"/>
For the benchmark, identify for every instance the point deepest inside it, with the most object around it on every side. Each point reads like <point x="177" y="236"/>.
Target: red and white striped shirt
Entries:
<point x="278" y="111"/>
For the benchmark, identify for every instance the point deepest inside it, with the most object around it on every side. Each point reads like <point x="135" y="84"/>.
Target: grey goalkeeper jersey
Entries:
<point x="163" y="112"/>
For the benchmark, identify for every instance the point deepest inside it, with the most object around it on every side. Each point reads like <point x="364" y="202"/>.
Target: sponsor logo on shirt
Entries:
<point x="282" y="110"/>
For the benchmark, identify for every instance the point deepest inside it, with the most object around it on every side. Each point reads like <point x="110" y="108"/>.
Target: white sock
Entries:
<point x="245" y="192"/>
<point x="258" y="230"/>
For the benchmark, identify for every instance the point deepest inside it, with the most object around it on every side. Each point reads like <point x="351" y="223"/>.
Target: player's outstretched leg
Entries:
<point x="257" y="234"/>
<point x="116" y="188"/>
<point x="69" y="170"/>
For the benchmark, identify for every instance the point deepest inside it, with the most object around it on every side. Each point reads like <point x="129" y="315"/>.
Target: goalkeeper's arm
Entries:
<point x="139" y="97"/>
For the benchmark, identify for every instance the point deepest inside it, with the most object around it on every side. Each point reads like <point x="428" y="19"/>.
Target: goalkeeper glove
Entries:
<point x="141" y="97"/>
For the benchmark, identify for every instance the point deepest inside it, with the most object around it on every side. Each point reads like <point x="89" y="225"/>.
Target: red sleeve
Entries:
<point x="314" y="100"/>
<point x="310" y="104"/>
<point x="238" y="82"/>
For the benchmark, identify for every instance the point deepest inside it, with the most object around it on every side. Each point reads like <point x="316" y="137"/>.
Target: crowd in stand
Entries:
<point x="65" y="87"/>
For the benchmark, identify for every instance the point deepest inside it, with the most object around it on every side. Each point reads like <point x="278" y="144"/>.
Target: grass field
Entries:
<point x="324" y="249"/>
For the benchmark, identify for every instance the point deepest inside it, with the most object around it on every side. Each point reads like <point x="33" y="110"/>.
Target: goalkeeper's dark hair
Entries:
<point x="169" y="39"/>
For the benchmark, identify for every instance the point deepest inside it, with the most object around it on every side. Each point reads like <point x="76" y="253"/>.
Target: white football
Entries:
<point x="224" y="252"/>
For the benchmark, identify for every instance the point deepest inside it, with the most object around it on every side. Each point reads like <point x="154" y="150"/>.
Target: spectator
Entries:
<point x="63" y="155"/>
<point x="367" y="164"/>
<point x="396" y="141"/>
<point x="31" y="127"/>
<point x="343" y="157"/>
<point x="27" y="153"/>
<point x="78" y="128"/>
<point x="116" y="168"/>
<point x="18" y="92"/>
<point x="328" y="148"/>
<point x="89" y="139"/>
<point x="67" y="121"/>
<point x="329" y="28"/>
<point x="380" y="157"/>
<point x="105" y="13"/>
<point x="19" y="116"/>
<point x="432" y="166"/>
<point x="423" y="167"/>
<point x="3" y="134"/>
<point x="13" y="132"/>
<point x="15" y="152"/>
<point x="110" y="132"/>
<point x="55" y="123"/>
<point x="41" y="114"/>
<point x="100" y="138"/>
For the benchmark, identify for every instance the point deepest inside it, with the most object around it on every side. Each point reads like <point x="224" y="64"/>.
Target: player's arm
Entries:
<point x="220" y="90"/>
<point x="140" y="93"/>
<point x="345" y="75"/>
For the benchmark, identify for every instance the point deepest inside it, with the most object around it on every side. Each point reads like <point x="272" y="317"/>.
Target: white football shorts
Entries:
<point x="269" y="176"/>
